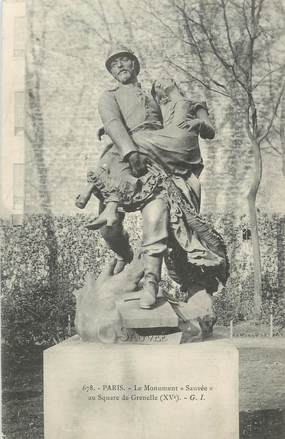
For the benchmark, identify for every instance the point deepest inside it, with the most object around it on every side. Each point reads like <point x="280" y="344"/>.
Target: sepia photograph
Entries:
<point x="142" y="219"/>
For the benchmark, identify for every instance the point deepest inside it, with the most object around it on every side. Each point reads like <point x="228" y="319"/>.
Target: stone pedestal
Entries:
<point x="145" y="391"/>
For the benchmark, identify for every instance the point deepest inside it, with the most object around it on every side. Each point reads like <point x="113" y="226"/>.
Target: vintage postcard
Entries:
<point x="142" y="219"/>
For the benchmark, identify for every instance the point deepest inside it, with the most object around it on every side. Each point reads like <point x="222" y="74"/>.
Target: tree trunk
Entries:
<point x="251" y="198"/>
<point x="282" y="133"/>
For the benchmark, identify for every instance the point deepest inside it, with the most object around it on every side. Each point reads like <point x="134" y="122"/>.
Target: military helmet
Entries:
<point x="120" y="50"/>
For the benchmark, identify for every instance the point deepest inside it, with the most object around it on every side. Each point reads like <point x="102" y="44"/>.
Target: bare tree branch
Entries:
<point x="187" y="73"/>
<point x="259" y="10"/>
<point x="260" y="81"/>
<point x="226" y="22"/>
<point x="275" y="109"/>
<point x="106" y="23"/>
<point x="271" y="146"/>
<point x="191" y="35"/>
<point x="218" y="55"/>
<point x="211" y="42"/>
<point x="166" y="26"/>
<point x="268" y="150"/>
<point x="246" y="20"/>
<point x="88" y="27"/>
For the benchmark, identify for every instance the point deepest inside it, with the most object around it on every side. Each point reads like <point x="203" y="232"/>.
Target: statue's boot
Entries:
<point x="122" y="262"/>
<point x="83" y="198"/>
<point x="152" y="274"/>
<point x="108" y="217"/>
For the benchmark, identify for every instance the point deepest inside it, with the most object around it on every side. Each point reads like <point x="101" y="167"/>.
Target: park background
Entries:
<point x="229" y="53"/>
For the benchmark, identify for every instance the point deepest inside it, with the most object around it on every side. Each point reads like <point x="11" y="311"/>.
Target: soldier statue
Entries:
<point x="152" y="164"/>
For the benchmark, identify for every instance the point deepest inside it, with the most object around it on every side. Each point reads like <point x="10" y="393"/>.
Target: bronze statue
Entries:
<point x="152" y="164"/>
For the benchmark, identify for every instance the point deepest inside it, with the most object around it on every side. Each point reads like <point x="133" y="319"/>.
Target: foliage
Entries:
<point x="236" y="301"/>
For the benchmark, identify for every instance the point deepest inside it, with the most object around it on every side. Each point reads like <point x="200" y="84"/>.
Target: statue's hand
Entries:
<point x="96" y="313"/>
<point x="110" y="282"/>
<point x="199" y="126"/>
<point x="191" y="125"/>
<point x="206" y="130"/>
<point x="138" y="164"/>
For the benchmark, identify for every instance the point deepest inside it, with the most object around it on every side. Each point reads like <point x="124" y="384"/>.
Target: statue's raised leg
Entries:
<point x="117" y="239"/>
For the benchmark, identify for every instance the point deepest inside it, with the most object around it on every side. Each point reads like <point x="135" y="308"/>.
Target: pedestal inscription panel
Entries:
<point x="144" y="391"/>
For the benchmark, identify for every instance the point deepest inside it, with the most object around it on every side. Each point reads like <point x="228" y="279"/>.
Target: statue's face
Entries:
<point x="123" y="69"/>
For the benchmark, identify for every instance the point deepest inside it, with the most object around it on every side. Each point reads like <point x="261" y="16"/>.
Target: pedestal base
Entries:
<point x="144" y="391"/>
